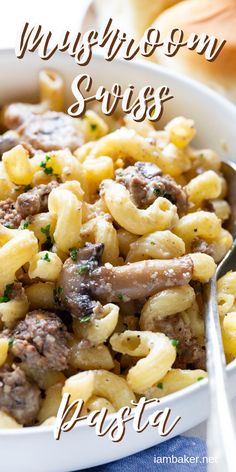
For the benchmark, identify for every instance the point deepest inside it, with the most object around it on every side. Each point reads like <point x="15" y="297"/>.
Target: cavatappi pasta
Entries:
<point x="108" y="231"/>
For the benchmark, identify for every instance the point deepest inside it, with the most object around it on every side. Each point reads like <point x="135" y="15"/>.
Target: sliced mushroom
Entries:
<point x="83" y="281"/>
<point x="74" y="283"/>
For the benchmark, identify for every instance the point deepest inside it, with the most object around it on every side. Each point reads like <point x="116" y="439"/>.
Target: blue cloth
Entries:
<point x="180" y="448"/>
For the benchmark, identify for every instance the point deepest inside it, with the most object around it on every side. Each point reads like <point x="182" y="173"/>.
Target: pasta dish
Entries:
<point x="108" y="230"/>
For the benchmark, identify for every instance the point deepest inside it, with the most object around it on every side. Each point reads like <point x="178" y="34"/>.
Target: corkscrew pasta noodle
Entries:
<point x="160" y="215"/>
<point x="98" y="330"/>
<point x="158" y="352"/>
<point x="166" y="303"/>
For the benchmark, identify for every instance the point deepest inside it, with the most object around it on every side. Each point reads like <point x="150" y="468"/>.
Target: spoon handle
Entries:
<point x="220" y="429"/>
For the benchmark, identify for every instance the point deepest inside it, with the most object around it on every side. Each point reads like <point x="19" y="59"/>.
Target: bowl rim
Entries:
<point x="231" y="108"/>
<point x="164" y="402"/>
<point x="145" y="64"/>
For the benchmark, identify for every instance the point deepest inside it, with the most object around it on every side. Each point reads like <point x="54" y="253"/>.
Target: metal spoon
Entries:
<point x="221" y="438"/>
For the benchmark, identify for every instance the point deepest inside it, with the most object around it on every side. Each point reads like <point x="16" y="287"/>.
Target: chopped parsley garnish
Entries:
<point x="27" y="188"/>
<point x="152" y="242"/>
<point x="47" y="170"/>
<point x="162" y="193"/>
<point x="7" y="225"/>
<point x="200" y="378"/>
<point x="83" y="268"/>
<point x="73" y="253"/>
<point x="174" y="342"/>
<point x="57" y="294"/>
<point x="46" y="231"/>
<point x="93" y="126"/>
<point x="157" y="191"/>
<point x="43" y="163"/>
<point x="46" y="257"/>
<point x="25" y="225"/>
<point x="121" y="297"/>
<point x="160" y="385"/>
<point x="85" y="318"/>
<point x="7" y="292"/>
<point x="10" y="341"/>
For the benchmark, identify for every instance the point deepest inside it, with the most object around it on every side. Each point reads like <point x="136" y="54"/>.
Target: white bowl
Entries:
<point x="34" y="449"/>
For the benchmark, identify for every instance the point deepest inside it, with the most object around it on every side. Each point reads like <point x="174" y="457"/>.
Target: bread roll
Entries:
<point x="132" y="16"/>
<point x="213" y="17"/>
<point x="145" y="11"/>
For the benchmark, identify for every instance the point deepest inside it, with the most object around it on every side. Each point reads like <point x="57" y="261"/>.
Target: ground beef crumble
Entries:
<point x="190" y="355"/>
<point x="146" y="183"/>
<point x="40" y="341"/>
<point x="35" y="200"/>
<point x="9" y="215"/>
<point x="19" y="397"/>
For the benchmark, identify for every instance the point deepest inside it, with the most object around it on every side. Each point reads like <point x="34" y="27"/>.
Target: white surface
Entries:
<point x="215" y="120"/>
<point x="53" y="14"/>
<point x="199" y="431"/>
